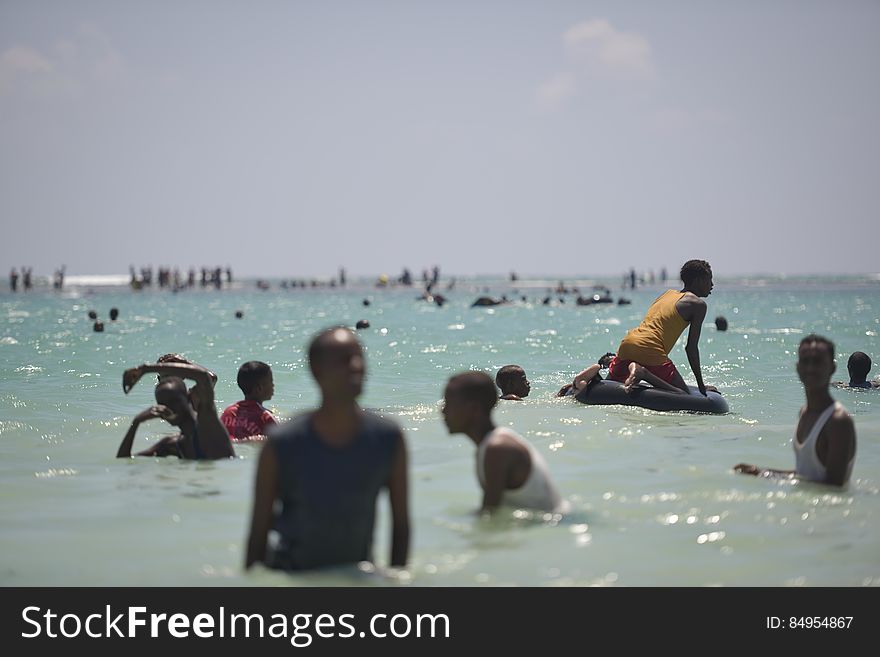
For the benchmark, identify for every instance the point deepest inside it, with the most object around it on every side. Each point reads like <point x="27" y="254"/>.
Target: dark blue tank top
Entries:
<point x="328" y="494"/>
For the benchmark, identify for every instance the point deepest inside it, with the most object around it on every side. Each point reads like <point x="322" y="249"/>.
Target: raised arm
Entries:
<point x="197" y="373"/>
<point x="749" y="469"/>
<point x="841" y="448"/>
<point x="124" y="450"/>
<point x="398" y="496"/>
<point x="265" y="492"/>
<point x="697" y="313"/>
<point x="213" y="439"/>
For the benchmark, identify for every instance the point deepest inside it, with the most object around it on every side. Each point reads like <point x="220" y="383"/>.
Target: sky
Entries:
<point x="290" y="138"/>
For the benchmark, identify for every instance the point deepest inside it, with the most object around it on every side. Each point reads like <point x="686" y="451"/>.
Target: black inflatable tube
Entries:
<point x="612" y="392"/>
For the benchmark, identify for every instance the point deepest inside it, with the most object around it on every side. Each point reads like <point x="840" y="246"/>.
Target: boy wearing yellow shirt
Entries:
<point x="643" y="354"/>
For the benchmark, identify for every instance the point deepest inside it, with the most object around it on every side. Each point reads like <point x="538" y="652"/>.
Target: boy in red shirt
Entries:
<point x="248" y="419"/>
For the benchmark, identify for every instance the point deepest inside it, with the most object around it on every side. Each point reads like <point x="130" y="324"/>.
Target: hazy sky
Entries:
<point x="290" y="138"/>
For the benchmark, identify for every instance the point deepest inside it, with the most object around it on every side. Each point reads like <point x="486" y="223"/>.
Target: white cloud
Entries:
<point x="596" y="50"/>
<point x="602" y="49"/>
<point x="25" y="60"/>
<point x="85" y="58"/>
<point x="19" y="62"/>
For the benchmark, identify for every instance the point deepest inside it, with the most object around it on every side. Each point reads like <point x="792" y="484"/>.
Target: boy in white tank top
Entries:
<point x="511" y="472"/>
<point x="825" y="439"/>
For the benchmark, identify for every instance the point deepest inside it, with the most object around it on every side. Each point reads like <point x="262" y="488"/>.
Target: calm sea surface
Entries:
<point x="653" y="497"/>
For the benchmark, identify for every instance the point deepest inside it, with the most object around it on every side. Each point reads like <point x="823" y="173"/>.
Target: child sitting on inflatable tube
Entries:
<point x="587" y="377"/>
<point x="643" y="354"/>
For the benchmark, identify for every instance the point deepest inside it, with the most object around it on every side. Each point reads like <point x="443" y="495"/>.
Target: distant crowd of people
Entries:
<point x="26" y="279"/>
<point x="167" y="277"/>
<point x="632" y="279"/>
<point x="601" y="295"/>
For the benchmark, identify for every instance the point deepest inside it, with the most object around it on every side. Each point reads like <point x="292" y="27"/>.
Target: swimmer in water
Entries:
<point x="586" y="377"/>
<point x="248" y="419"/>
<point x="320" y="474"/>
<point x="202" y="436"/>
<point x="858" y="366"/>
<point x="511" y="471"/>
<point x="513" y="383"/>
<point x="825" y="438"/>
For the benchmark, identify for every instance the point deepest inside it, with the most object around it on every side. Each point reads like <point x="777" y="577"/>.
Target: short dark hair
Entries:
<point x="694" y="269"/>
<point x="605" y="359"/>
<point x="859" y="364"/>
<point x="171" y="358"/>
<point x="812" y="337"/>
<point x="173" y="382"/>
<point x="323" y="341"/>
<point x="174" y="358"/>
<point x="507" y="376"/>
<point x="250" y="374"/>
<point x="475" y="386"/>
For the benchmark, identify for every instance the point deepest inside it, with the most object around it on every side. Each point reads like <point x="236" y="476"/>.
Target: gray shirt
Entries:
<point x="328" y="494"/>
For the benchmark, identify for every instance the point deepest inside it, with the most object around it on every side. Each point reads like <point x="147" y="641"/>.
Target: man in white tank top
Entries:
<point x="825" y="440"/>
<point x="511" y="472"/>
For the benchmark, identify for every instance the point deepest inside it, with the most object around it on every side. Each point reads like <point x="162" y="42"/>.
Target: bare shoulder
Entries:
<point x="502" y="439"/>
<point x="167" y="446"/>
<point x="399" y="440"/>
<point x="841" y="417"/>
<point x="840" y="425"/>
<point x="695" y="302"/>
<point x="690" y="306"/>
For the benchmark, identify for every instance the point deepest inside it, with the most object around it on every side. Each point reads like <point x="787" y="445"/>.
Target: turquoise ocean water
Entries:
<point x="653" y="497"/>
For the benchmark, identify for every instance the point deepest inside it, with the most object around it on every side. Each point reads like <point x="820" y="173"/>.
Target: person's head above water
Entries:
<point x="815" y="363"/>
<point x="858" y="365"/>
<point x="114" y="313"/>
<point x="512" y="380"/>
<point x="172" y="393"/>
<point x="468" y="400"/>
<point x="255" y="380"/>
<point x="697" y="277"/>
<point x="172" y="358"/>
<point x="337" y="362"/>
